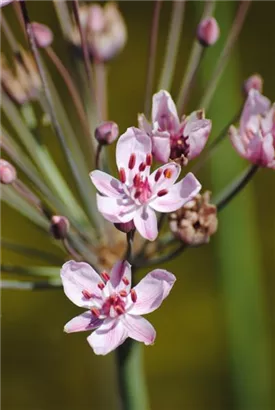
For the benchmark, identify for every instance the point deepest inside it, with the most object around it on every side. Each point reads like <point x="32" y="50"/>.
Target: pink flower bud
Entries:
<point x="106" y="133"/>
<point x="208" y="31"/>
<point x="43" y="35"/>
<point x="255" y="81"/>
<point x="7" y="172"/>
<point x="59" y="227"/>
<point x="125" y="227"/>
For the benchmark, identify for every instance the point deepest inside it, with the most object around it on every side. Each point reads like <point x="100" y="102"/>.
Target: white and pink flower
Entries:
<point x="255" y="138"/>
<point x="138" y="194"/>
<point x="112" y="307"/>
<point x="178" y="140"/>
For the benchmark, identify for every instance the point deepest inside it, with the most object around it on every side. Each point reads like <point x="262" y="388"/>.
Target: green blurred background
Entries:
<point x="215" y="333"/>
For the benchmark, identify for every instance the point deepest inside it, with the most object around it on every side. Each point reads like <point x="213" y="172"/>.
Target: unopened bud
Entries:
<point x="106" y="133"/>
<point x="208" y="31"/>
<point x="253" y="82"/>
<point x="43" y="35"/>
<point x="59" y="227"/>
<point x="7" y="172"/>
<point x="125" y="227"/>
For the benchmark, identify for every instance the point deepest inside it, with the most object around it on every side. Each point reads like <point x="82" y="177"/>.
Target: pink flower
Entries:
<point x="172" y="138"/>
<point x="255" y="138"/>
<point x="138" y="194"/>
<point x="114" y="308"/>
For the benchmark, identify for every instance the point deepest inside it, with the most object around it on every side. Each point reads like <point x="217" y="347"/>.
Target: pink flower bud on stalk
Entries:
<point x="59" y="227"/>
<point x="104" y="28"/>
<point x="7" y="172"/>
<point x="43" y="35"/>
<point x="106" y="133"/>
<point x="255" y="82"/>
<point x="208" y="31"/>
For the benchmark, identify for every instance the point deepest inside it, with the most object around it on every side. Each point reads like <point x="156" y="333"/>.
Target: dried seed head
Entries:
<point x="253" y="82"/>
<point x="42" y="34"/>
<point x="59" y="227"/>
<point x="7" y="172"/>
<point x="104" y="28"/>
<point x="106" y="133"/>
<point x="208" y="31"/>
<point x="196" y="221"/>
<point x="22" y="81"/>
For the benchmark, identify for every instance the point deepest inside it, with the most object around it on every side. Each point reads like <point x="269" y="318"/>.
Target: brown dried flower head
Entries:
<point x="22" y="82"/>
<point x="196" y="221"/>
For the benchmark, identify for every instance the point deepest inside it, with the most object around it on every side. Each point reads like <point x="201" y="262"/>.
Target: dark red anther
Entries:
<point x="133" y="295"/>
<point x="149" y="160"/>
<point x="168" y="173"/>
<point x="101" y="285"/>
<point x="162" y="192"/>
<point x="136" y="180"/>
<point x="95" y="312"/>
<point x="119" y="309"/>
<point x="132" y="161"/>
<point x="142" y="166"/>
<point x="105" y="276"/>
<point x="122" y="175"/>
<point x="86" y="294"/>
<point x="123" y="293"/>
<point x="137" y="193"/>
<point x="158" y="174"/>
<point x="125" y="280"/>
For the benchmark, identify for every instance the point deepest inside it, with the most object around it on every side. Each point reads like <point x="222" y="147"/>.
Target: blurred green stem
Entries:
<point x="131" y="378"/>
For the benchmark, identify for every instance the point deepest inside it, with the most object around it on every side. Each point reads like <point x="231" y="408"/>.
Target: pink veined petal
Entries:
<point x="237" y="141"/>
<point x="113" y="211"/>
<point x="268" y="152"/>
<point x="254" y="149"/>
<point x="151" y="291"/>
<point x="139" y="329"/>
<point x="164" y="182"/>
<point x="133" y="141"/>
<point x="145" y="221"/>
<point x="106" y="184"/>
<point x="198" y="136"/>
<point x="105" y="339"/>
<point x="79" y="276"/>
<point x="144" y="124"/>
<point x="122" y="269"/>
<point x="178" y="195"/>
<point x="83" y="322"/>
<point x="164" y="111"/>
<point x="268" y="122"/>
<point x="161" y="147"/>
<point x="256" y="104"/>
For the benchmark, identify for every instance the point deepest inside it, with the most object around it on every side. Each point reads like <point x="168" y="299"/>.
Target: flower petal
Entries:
<point x="120" y="270"/>
<point x="164" y="182"/>
<point x="164" y="111"/>
<point x="107" y="338"/>
<point x="151" y="291"/>
<point x="144" y="124"/>
<point x="178" y="195"/>
<point x="145" y="221"/>
<point x="79" y="276"/>
<point x="237" y="141"/>
<point x="133" y="141"/>
<point x="106" y="184"/>
<point x="161" y="145"/>
<point x="256" y="104"/>
<point x="114" y="211"/>
<point x="139" y="329"/>
<point x="198" y="132"/>
<point x="83" y="322"/>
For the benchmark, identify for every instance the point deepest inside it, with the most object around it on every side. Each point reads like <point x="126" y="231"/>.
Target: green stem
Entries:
<point x="131" y="378"/>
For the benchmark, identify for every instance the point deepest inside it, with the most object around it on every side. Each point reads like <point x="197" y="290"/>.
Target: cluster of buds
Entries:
<point x="104" y="29"/>
<point x="196" y="221"/>
<point x="23" y="84"/>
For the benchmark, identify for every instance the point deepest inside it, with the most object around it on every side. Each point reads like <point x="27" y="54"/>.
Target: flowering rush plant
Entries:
<point x="108" y="222"/>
